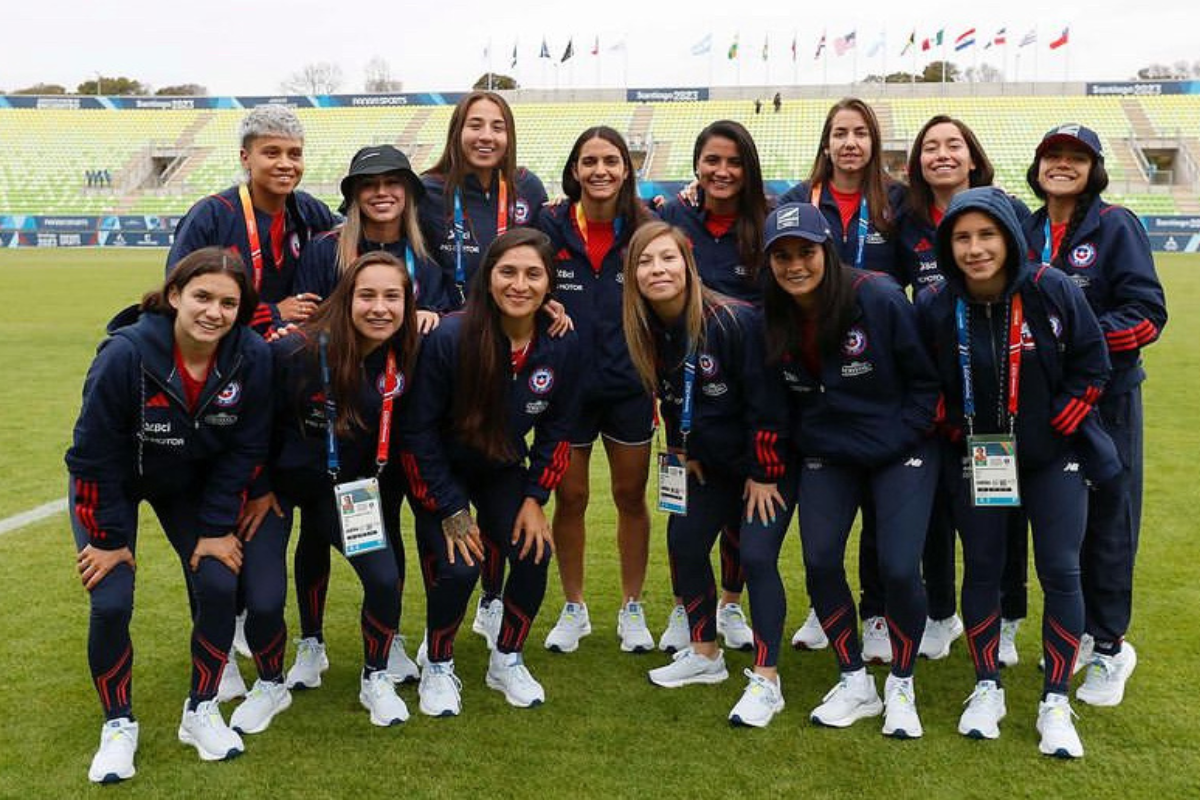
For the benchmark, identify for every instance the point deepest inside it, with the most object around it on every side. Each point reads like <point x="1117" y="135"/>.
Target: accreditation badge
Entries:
<point x="993" y="463"/>
<point x="672" y="484"/>
<point x="360" y="513"/>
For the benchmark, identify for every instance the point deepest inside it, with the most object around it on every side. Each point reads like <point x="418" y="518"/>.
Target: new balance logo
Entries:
<point x="1071" y="466"/>
<point x="914" y="462"/>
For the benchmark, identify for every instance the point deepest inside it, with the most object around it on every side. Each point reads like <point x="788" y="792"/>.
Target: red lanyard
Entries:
<point x="1015" y="323"/>
<point x="385" y="413"/>
<point x="256" y="259"/>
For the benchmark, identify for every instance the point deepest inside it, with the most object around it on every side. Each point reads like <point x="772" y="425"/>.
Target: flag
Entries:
<point x="793" y="45"/>
<point x="820" y="47"/>
<point x="875" y="48"/>
<point x="732" y="54"/>
<point x="513" y="64"/>
<point x="596" y="47"/>
<point x="844" y="43"/>
<point x="545" y="53"/>
<point x="703" y="46"/>
<point x="934" y="41"/>
<point x="766" y="44"/>
<point x="911" y="43"/>
<point x="999" y="40"/>
<point x="487" y="51"/>
<point x="570" y="51"/>
<point x="1029" y="38"/>
<point x="965" y="39"/>
<point x="1061" y="40"/>
<point x="619" y="47"/>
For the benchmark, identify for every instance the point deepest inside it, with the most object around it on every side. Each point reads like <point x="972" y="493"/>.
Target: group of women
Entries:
<point x="791" y="372"/>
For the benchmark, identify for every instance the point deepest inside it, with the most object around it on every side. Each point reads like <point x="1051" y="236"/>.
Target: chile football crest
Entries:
<point x="381" y="384"/>
<point x="542" y="380"/>
<point x="229" y="395"/>
<point x="1082" y="256"/>
<point x="855" y="343"/>
<point x="708" y="366"/>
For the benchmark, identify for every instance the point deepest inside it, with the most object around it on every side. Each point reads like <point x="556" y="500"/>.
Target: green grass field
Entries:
<point x="604" y="731"/>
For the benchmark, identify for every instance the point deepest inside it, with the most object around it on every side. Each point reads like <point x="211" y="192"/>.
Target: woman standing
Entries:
<point x="863" y="394"/>
<point x="1105" y="252"/>
<point x="1026" y="365"/>
<point x="702" y="354"/>
<point x="337" y="383"/>
<point x="487" y="378"/>
<point x="588" y="236"/>
<point x="174" y="413"/>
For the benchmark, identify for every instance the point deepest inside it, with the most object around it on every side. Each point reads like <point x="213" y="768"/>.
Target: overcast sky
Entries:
<point x="251" y="47"/>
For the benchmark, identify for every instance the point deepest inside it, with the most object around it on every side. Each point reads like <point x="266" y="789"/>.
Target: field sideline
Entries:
<point x="604" y="731"/>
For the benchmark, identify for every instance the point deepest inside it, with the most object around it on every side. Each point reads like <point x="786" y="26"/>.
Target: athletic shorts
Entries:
<point x="626" y="420"/>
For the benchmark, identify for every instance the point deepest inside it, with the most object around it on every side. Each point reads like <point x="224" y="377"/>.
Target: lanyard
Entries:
<point x="962" y="322"/>
<point x="689" y="396"/>
<point x="581" y="224"/>
<point x="460" y="228"/>
<point x="1048" y="245"/>
<point x="332" y="460"/>
<point x="863" y="222"/>
<point x="256" y="258"/>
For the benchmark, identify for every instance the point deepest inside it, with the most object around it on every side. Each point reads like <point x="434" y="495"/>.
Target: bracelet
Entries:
<point x="458" y="525"/>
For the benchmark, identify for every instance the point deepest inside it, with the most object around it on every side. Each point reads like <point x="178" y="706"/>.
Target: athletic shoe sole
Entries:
<point x="284" y="706"/>
<point x="860" y="712"/>
<point x="493" y="683"/>
<point x="705" y="678"/>
<point x="206" y="755"/>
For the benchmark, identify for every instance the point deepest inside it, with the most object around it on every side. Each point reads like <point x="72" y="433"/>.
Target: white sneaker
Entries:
<point x="900" y="719"/>
<point x="240" y="645"/>
<point x="761" y="701"/>
<point x="876" y="644"/>
<point x="262" y="703"/>
<point x="688" y="667"/>
<point x="810" y="635"/>
<point x="984" y="710"/>
<point x="1056" y="725"/>
<point x="939" y="635"/>
<point x="732" y="627"/>
<point x="439" y="690"/>
<point x="852" y="698"/>
<point x="205" y="730"/>
<point x="631" y="627"/>
<point x="573" y="624"/>
<point x="507" y="673"/>
<point x="423" y="651"/>
<point x="118" y="744"/>
<point x="378" y="695"/>
<point x="311" y="661"/>
<point x="488" y="616"/>
<point x="1084" y="657"/>
<point x="400" y="668"/>
<point x="1106" y="676"/>
<point x="232" y="686"/>
<point x="677" y="635"/>
<point x="1008" y="642"/>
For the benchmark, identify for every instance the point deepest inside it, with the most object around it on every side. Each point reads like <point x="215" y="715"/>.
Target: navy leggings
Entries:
<point x="1054" y="498"/>
<point x="497" y="495"/>
<point x="1114" y="521"/>
<point x="828" y="497"/>
<point x="761" y="544"/>
<point x="212" y="588"/>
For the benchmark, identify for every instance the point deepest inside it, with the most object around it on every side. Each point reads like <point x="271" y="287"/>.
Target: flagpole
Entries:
<point x="1035" y="57"/>
<point x="795" y="61"/>
<point x="883" y="64"/>
<point x="825" y="60"/>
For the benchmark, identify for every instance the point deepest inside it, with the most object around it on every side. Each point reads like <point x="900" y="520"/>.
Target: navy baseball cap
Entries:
<point x="379" y="160"/>
<point x="1072" y="133"/>
<point x="795" y="219"/>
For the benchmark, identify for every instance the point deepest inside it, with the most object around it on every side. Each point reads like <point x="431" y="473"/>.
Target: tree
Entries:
<point x="934" y="72"/>
<point x="497" y="81"/>
<point x="378" y="77"/>
<point x="113" y="86"/>
<point x="984" y="73"/>
<point x="183" y="90"/>
<point x="1154" y="72"/>
<point x="42" y="88"/>
<point x="894" y="77"/>
<point x="321" y="77"/>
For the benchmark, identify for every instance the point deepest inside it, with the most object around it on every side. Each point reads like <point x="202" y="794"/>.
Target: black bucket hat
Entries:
<point x="379" y="159"/>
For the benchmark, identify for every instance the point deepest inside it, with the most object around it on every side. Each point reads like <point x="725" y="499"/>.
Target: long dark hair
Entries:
<point x="1097" y="182"/>
<point x="875" y="179"/>
<point x="751" y="200"/>
<point x="345" y="355"/>
<point x="629" y="207"/>
<point x="835" y="298"/>
<point x="205" y="261"/>
<point x="452" y="166"/>
<point x="484" y="355"/>
<point x="920" y="194"/>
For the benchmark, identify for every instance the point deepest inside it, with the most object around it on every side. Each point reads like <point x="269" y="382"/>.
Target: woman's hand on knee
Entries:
<point x="462" y="538"/>
<point x="761" y="499"/>
<point x="227" y="549"/>
<point x="254" y="512"/>
<point x="532" y="526"/>
<point x="94" y="563"/>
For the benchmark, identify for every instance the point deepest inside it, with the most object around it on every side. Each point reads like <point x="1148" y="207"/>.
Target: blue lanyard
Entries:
<point x="331" y="448"/>
<point x="689" y="396"/>
<point x="1047" y="246"/>
<point x="410" y="263"/>
<point x="863" y="229"/>
<point x="962" y="324"/>
<point x="460" y="233"/>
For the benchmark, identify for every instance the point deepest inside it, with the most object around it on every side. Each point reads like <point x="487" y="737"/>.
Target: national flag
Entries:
<point x="596" y="47"/>
<point x="513" y="63"/>
<point x="619" y="47"/>
<point x="820" y="47"/>
<point x="545" y="52"/>
<point x="875" y="48"/>
<point x="934" y="41"/>
<point x="911" y="43"/>
<point x="793" y="45"/>
<point x="733" y="48"/>
<point x="965" y="39"/>
<point x="998" y="40"/>
<point x="1061" y="40"/>
<point x="570" y="51"/>
<point x="703" y="46"/>
<point x="1028" y="38"/>
<point x="844" y="43"/>
<point x="766" y="45"/>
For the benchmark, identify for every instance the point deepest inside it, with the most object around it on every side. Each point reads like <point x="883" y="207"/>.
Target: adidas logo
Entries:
<point x="914" y="462"/>
<point x="1071" y="466"/>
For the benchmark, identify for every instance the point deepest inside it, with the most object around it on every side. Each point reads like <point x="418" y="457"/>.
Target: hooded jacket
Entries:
<point x="1064" y="362"/>
<point x="136" y="438"/>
